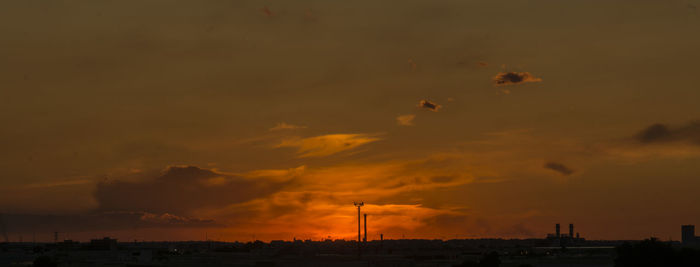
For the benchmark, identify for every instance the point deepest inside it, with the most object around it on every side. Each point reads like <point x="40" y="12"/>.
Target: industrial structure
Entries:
<point x="558" y="239"/>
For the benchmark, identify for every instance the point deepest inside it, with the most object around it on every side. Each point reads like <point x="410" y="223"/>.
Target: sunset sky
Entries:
<point x="244" y="120"/>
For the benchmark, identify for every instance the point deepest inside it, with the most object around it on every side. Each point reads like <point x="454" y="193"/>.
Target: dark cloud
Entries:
<point x="429" y="105"/>
<point x="512" y="78"/>
<point x="653" y="133"/>
<point x="558" y="167"/>
<point x="181" y="190"/>
<point x="661" y="133"/>
<point x="98" y="221"/>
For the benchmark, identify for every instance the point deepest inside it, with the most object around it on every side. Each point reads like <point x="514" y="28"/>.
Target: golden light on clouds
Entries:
<point x="405" y="120"/>
<point x="304" y="107"/>
<point x="326" y="145"/>
<point x="286" y="126"/>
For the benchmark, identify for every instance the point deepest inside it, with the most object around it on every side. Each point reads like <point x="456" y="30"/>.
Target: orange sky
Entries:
<point x="242" y="120"/>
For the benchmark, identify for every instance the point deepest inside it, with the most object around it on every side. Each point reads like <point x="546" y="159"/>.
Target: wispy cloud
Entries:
<point x="405" y="120"/>
<point x="559" y="167"/>
<point x="326" y="145"/>
<point x="286" y="126"/>
<point x="513" y="78"/>
<point x="61" y="183"/>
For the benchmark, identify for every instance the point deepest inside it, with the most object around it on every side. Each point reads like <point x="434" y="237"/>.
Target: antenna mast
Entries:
<point x="359" y="228"/>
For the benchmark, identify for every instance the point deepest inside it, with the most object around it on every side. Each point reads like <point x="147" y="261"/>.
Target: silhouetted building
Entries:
<point x="103" y="244"/>
<point x="688" y="235"/>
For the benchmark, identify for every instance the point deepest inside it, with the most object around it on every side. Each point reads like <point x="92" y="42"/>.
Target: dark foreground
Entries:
<point x="471" y="253"/>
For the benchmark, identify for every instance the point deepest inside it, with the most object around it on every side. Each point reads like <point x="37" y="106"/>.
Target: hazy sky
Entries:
<point x="166" y="120"/>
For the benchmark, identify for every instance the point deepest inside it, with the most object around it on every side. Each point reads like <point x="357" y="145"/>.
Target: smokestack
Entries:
<point x="558" y="234"/>
<point x="365" y="239"/>
<point x="571" y="230"/>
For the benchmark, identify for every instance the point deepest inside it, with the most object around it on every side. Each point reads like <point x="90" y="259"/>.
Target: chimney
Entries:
<point x="381" y="241"/>
<point x="558" y="234"/>
<point x="571" y="230"/>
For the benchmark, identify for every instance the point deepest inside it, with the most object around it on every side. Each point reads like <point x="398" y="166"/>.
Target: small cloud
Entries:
<point x="482" y="64"/>
<point x="558" y="167"/>
<point x="405" y="120"/>
<point x="429" y="105"/>
<point x="513" y="78"/>
<point x="412" y="66"/>
<point x="326" y="145"/>
<point x="267" y="11"/>
<point x="286" y="126"/>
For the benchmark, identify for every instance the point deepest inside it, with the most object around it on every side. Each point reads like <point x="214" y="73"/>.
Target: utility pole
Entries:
<point x="359" y="233"/>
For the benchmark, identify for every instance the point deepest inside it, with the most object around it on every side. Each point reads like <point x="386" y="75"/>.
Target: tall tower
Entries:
<point x="365" y="239"/>
<point x="558" y="233"/>
<point x="571" y="230"/>
<point x="359" y="222"/>
<point x="688" y="234"/>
